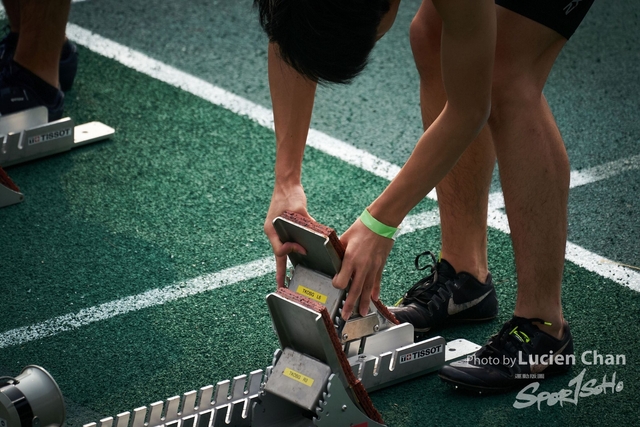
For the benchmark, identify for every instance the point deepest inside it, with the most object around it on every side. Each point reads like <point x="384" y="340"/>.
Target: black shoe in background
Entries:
<point x="445" y="297"/>
<point x="68" y="66"/>
<point x="20" y="90"/>
<point x="7" y="48"/>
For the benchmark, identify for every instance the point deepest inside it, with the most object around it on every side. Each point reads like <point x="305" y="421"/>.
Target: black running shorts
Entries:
<point x="563" y="16"/>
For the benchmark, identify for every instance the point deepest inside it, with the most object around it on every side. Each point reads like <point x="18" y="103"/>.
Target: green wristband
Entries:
<point x="376" y="226"/>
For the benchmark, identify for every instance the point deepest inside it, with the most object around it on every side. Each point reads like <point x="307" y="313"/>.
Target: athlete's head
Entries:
<point x="324" y="40"/>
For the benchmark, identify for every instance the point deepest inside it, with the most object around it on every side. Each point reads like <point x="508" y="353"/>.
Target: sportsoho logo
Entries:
<point x="579" y="387"/>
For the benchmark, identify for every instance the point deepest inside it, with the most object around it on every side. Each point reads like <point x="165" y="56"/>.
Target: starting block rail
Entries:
<point x="27" y="135"/>
<point x="228" y="403"/>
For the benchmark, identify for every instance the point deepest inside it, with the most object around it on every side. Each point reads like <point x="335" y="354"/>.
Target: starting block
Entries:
<point x="28" y="135"/>
<point x="325" y="367"/>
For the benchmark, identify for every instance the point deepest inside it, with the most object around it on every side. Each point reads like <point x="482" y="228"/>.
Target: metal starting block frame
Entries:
<point x="380" y="353"/>
<point x="28" y="135"/>
<point x="228" y="404"/>
<point x="307" y="385"/>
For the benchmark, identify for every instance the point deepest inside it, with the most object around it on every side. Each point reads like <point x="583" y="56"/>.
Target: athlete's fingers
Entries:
<point x="375" y="292"/>
<point x="365" y="296"/>
<point x="281" y="269"/>
<point x="281" y="250"/>
<point x="341" y="280"/>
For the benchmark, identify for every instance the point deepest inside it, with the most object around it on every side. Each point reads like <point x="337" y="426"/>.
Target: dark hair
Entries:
<point x="324" y="40"/>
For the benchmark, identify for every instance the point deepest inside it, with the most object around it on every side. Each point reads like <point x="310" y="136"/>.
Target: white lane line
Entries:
<point x="200" y="88"/>
<point x="318" y="140"/>
<point x="160" y="296"/>
<point x="604" y="171"/>
<point x="574" y="253"/>
<point x="603" y="266"/>
<point x="131" y="303"/>
<point x="585" y="176"/>
<point x="420" y="221"/>
<point x="585" y="259"/>
<point x="155" y="297"/>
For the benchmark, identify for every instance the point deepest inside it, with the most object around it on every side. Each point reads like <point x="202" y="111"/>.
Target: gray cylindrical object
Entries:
<point x="32" y="400"/>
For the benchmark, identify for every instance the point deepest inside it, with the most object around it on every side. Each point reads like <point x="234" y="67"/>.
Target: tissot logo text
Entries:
<point x="425" y="352"/>
<point x="50" y="136"/>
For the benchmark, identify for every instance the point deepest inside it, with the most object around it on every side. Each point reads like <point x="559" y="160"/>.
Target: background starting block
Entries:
<point x="27" y="135"/>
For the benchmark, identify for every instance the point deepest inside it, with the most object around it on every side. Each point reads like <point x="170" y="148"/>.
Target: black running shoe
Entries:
<point x="445" y="297"/>
<point x="7" y="48"/>
<point x="68" y="66"/>
<point x="20" y="90"/>
<point x="517" y="355"/>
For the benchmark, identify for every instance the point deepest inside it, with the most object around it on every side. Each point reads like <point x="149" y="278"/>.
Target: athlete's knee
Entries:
<point x="424" y="36"/>
<point x="512" y="94"/>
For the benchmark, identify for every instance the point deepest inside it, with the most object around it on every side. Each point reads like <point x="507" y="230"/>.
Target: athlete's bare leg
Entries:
<point x="42" y="27"/>
<point x="533" y="163"/>
<point x="534" y="168"/>
<point x="463" y="193"/>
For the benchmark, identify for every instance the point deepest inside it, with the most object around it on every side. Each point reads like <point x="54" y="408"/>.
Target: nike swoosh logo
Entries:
<point x="539" y="367"/>
<point x="454" y="308"/>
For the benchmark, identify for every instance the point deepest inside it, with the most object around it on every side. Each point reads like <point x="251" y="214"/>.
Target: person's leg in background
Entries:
<point x="462" y="200"/>
<point x="534" y="167"/>
<point x="42" y="35"/>
<point x="534" y="172"/>
<point x="43" y="62"/>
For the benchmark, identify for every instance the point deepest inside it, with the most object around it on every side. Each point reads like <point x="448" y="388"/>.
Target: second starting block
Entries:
<point x="28" y="135"/>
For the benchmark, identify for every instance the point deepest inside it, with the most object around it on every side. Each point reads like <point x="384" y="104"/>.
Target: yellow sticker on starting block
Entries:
<point x="312" y="294"/>
<point x="303" y="379"/>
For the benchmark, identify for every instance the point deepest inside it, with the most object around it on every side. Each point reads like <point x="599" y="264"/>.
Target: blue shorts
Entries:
<point x="562" y="16"/>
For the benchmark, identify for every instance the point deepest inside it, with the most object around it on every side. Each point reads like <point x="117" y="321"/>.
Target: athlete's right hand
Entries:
<point x="284" y="198"/>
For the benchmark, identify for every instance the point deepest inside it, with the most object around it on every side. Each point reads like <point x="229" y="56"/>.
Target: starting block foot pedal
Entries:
<point x="313" y="372"/>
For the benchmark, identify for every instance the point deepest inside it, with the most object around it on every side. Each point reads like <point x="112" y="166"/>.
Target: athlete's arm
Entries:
<point x="467" y="53"/>
<point x="292" y="97"/>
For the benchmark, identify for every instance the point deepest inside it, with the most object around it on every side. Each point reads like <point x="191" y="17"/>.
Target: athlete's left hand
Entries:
<point x="365" y="256"/>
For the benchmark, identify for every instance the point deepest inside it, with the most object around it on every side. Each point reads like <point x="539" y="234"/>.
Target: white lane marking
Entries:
<point x="329" y="145"/>
<point x="205" y="90"/>
<point x="603" y="266"/>
<point x="585" y="259"/>
<point x="604" y="171"/>
<point x="131" y="303"/>
<point x="585" y="176"/>
<point x="419" y="221"/>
